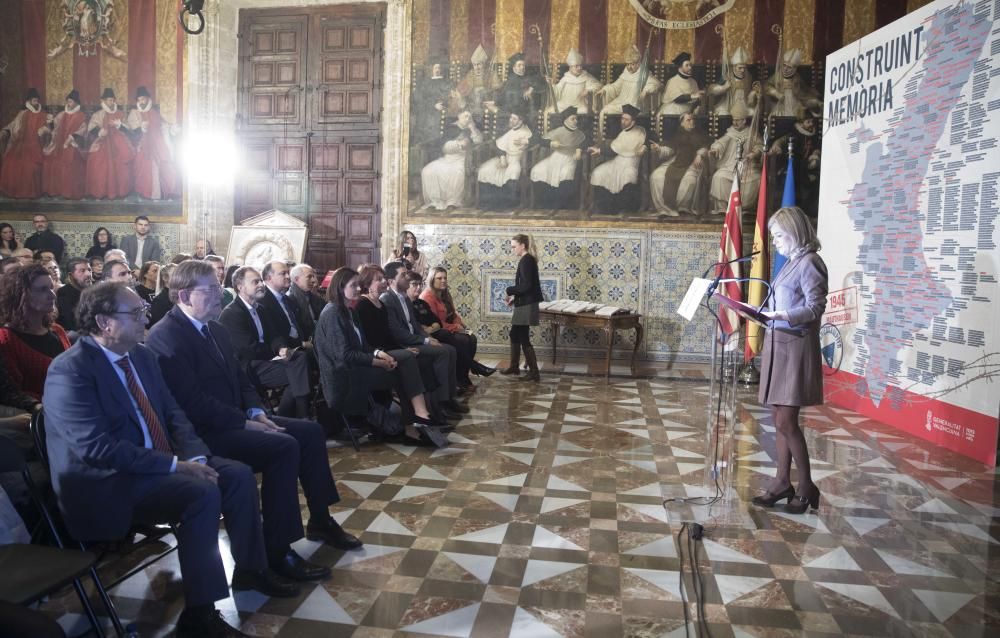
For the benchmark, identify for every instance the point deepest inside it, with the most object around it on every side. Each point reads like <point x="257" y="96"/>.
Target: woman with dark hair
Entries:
<point x="453" y="330"/>
<point x="148" y="276"/>
<point x="8" y="242"/>
<point x="161" y="304"/>
<point x="524" y="295"/>
<point x="406" y="251"/>
<point x="29" y="340"/>
<point x="350" y="369"/>
<point x="791" y="374"/>
<point x="102" y="243"/>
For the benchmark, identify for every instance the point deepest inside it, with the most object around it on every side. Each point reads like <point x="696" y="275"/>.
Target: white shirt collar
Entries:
<point x="194" y="322"/>
<point x="249" y="306"/>
<point x="113" y="357"/>
<point x="33" y="109"/>
<point x="275" y="292"/>
<point x="105" y="108"/>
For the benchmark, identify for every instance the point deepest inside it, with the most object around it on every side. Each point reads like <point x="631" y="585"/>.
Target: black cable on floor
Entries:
<point x="680" y="578"/>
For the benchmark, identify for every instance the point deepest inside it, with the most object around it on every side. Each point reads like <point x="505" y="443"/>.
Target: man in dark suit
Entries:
<point x="310" y="304"/>
<point x="122" y="452"/>
<point x="278" y="311"/>
<point x="267" y="359"/>
<point x="407" y="332"/>
<point x="201" y="370"/>
<point x="141" y="247"/>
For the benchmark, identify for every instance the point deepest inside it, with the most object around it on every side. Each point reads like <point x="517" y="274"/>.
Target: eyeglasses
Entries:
<point x="136" y="313"/>
<point x="216" y="289"/>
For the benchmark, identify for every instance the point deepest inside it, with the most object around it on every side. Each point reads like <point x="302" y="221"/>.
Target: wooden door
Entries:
<point x="310" y="112"/>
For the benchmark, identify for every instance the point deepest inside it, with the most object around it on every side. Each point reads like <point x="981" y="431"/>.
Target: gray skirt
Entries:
<point x="525" y="315"/>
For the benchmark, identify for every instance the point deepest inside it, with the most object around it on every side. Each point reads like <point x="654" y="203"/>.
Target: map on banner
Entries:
<point x="908" y="221"/>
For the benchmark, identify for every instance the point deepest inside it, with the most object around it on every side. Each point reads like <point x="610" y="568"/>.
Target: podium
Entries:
<point x="715" y="501"/>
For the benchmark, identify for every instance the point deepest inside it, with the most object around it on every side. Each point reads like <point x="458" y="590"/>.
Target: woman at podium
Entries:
<point x="791" y="366"/>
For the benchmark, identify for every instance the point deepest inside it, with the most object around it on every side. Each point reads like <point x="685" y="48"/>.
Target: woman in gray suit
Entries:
<point x="791" y="367"/>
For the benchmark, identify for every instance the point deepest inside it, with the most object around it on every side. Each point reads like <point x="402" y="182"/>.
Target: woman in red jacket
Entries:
<point x="29" y="340"/>
<point x="453" y="330"/>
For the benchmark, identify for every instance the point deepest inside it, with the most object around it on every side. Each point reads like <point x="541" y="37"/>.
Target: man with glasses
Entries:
<point x="122" y="452"/>
<point x="200" y="365"/>
<point x="45" y="239"/>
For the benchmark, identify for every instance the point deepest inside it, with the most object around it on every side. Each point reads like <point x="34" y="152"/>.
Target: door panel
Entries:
<point x="310" y="115"/>
<point x="273" y="57"/>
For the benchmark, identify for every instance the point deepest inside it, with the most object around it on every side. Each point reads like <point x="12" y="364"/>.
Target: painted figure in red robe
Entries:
<point x="65" y="169"/>
<point x="109" y="162"/>
<point x="22" y="140"/>
<point x="154" y="168"/>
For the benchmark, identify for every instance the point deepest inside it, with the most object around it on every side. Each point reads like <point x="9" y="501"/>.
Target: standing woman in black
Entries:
<point x="524" y="295"/>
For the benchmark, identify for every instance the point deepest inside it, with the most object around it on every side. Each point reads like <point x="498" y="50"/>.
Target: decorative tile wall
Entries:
<point x="79" y="236"/>
<point x="643" y="270"/>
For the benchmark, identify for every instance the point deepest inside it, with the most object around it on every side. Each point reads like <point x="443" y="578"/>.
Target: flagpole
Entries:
<point x="749" y="375"/>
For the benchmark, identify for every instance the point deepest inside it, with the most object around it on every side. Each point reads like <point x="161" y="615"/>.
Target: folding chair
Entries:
<point x="32" y="572"/>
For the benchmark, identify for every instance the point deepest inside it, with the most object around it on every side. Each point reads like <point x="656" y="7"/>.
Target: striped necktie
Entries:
<point x="156" y="433"/>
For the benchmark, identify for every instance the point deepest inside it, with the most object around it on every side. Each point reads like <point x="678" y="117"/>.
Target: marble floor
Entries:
<point x="545" y="518"/>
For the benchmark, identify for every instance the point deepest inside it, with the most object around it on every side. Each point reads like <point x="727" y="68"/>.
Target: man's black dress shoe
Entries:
<point x="454" y="406"/>
<point x="330" y="532"/>
<point x="209" y="625"/>
<point x="294" y="567"/>
<point x="265" y="581"/>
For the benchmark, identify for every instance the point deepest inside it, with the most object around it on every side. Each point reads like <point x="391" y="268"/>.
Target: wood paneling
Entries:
<point x="310" y="114"/>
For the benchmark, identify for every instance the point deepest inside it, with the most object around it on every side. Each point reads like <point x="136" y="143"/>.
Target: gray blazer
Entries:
<point x="151" y="248"/>
<point x="791" y="362"/>
<point x="404" y="333"/>
<point x="94" y="439"/>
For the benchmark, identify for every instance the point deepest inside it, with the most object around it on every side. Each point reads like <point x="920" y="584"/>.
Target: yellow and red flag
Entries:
<point x="731" y="249"/>
<point x="759" y="267"/>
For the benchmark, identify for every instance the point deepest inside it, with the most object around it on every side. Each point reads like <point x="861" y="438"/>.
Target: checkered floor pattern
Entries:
<point x="545" y="518"/>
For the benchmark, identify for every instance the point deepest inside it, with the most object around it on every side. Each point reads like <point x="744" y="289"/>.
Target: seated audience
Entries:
<point x="374" y="321"/>
<point x="24" y="256"/>
<point x="8" y="264"/>
<point x="453" y="330"/>
<point x="180" y="258"/>
<point x="219" y="264"/>
<point x="80" y="276"/>
<point x="122" y="452"/>
<point x="278" y="312"/>
<point x="45" y="257"/>
<point x="160" y="305"/>
<point x="115" y="254"/>
<point x="264" y="356"/>
<point x="310" y="304"/>
<point x="407" y="332"/>
<point x="102" y="243"/>
<point x="29" y="339"/>
<point x="148" y="276"/>
<point x="55" y="274"/>
<point x="118" y="270"/>
<point x="351" y="369"/>
<point x="8" y="241"/>
<point x="97" y="267"/>
<point x="406" y="252"/>
<point x="199" y="364"/>
<point x="202" y="249"/>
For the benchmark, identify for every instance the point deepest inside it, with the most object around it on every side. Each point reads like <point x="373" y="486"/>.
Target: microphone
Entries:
<point x="718" y="278"/>
<point x="738" y="260"/>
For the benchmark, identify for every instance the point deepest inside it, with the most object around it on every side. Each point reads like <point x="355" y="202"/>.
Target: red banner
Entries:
<point x="141" y="48"/>
<point x="969" y="433"/>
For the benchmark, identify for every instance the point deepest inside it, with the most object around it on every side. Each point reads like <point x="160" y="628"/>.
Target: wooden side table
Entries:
<point x="590" y="320"/>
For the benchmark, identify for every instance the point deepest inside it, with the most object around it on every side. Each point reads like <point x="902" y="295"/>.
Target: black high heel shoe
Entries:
<point x="799" y="505"/>
<point x="480" y="370"/>
<point x="769" y="500"/>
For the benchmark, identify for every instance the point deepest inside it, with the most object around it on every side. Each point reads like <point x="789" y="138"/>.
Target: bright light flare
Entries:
<point x="210" y="159"/>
